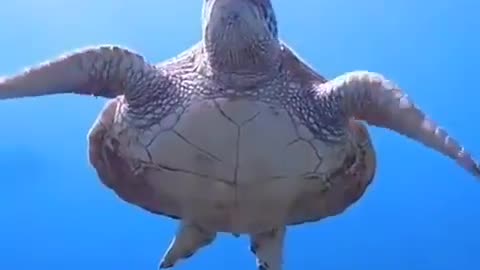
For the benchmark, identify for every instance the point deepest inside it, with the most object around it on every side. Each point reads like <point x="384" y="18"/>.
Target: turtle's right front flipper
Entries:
<point x="105" y="71"/>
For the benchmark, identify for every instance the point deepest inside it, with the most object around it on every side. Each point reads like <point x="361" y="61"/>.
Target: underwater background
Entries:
<point x="421" y="212"/>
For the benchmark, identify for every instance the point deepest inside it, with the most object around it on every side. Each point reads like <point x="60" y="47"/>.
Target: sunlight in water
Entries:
<point x="421" y="211"/>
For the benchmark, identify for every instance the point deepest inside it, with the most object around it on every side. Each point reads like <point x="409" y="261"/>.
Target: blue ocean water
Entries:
<point x="422" y="211"/>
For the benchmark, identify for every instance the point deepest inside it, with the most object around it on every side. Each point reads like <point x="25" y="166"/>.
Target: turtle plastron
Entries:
<point x="160" y="145"/>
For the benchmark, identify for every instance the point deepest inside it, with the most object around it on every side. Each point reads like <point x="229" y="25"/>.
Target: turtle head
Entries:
<point x="239" y="19"/>
<point x="240" y="34"/>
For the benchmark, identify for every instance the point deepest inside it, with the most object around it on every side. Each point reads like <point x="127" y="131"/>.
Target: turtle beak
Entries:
<point x="231" y="13"/>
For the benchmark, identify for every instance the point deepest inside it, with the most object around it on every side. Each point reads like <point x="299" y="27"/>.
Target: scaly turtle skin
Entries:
<point x="236" y="134"/>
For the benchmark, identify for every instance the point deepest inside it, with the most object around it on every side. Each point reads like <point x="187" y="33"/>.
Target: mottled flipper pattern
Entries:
<point x="240" y="58"/>
<point x="187" y="241"/>
<point x="370" y="97"/>
<point x="106" y="71"/>
<point x="268" y="248"/>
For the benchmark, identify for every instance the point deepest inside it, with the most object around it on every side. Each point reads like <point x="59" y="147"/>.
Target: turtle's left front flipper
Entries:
<point x="370" y="97"/>
<point x="188" y="239"/>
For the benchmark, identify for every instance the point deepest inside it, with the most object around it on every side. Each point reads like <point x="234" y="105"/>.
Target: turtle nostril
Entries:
<point x="234" y="16"/>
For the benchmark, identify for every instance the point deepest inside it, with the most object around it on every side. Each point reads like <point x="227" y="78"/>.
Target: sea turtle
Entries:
<point x="237" y="134"/>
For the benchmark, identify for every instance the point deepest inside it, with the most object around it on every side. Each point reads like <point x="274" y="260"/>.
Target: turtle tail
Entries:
<point x="370" y="97"/>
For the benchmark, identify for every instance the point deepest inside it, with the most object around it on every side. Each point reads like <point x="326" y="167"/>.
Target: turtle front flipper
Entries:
<point x="268" y="248"/>
<point x="188" y="240"/>
<point x="106" y="71"/>
<point x="370" y="97"/>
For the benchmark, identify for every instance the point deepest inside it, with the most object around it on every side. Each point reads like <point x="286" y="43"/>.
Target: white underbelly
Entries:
<point x="233" y="164"/>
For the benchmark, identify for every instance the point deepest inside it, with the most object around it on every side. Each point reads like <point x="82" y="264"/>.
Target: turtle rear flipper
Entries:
<point x="188" y="240"/>
<point x="268" y="248"/>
